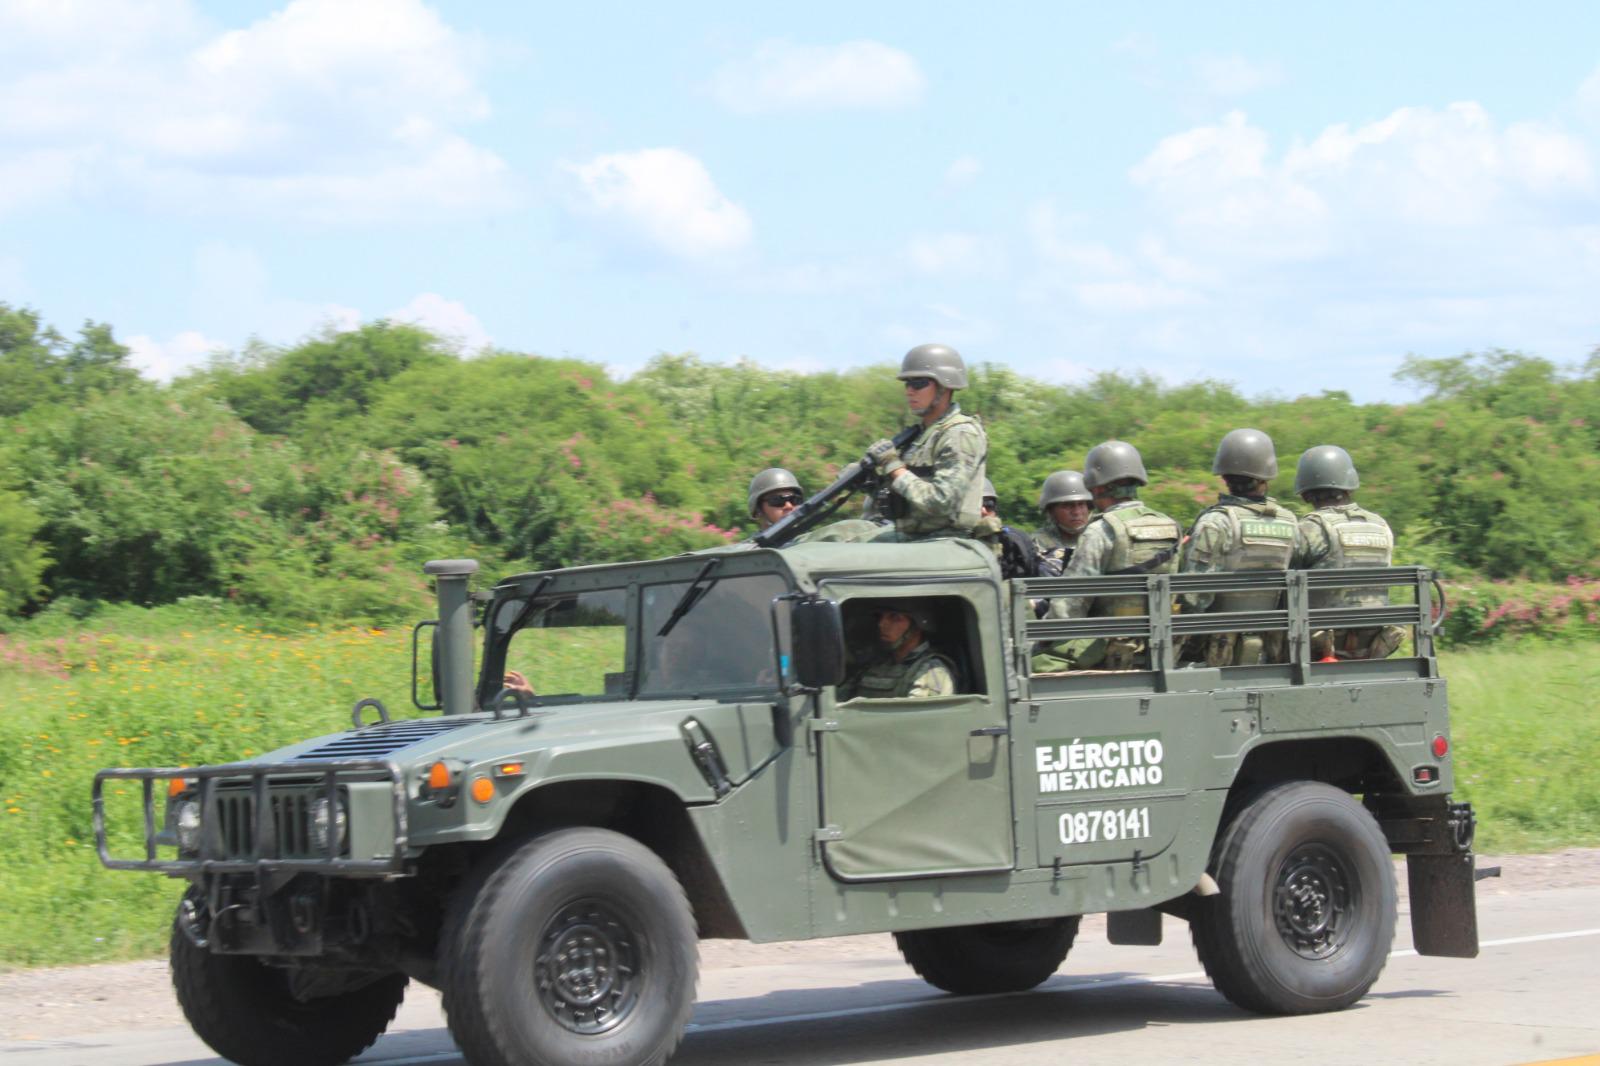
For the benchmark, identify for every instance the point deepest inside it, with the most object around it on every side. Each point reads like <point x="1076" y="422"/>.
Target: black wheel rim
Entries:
<point x="1313" y="898"/>
<point x="587" y="967"/>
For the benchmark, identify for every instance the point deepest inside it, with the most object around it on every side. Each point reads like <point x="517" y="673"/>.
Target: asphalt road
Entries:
<point x="1530" y="996"/>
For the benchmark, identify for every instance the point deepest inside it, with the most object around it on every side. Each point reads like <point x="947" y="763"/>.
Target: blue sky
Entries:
<point x="1288" y="199"/>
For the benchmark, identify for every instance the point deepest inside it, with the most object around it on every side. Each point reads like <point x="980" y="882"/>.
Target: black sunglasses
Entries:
<point x="918" y="383"/>
<point x="779" y="499"/>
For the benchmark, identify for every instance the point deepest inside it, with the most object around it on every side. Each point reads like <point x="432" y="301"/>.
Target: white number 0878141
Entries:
<point x="1119" y="823"/>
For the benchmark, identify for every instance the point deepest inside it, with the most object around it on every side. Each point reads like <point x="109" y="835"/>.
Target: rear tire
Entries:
<point x="1306" y="911"/>
<point x="576" y="946"/>
<point x="244" y="1010"/>
<point x="982" y="959"/>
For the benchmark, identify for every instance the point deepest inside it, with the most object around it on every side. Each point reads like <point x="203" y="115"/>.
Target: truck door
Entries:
<point x="918" y="787"/>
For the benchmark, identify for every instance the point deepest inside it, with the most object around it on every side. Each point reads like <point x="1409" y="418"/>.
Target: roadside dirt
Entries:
<point x="62" y="1002"/>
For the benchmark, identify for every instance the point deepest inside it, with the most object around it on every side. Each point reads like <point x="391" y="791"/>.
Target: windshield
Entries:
<point x="573" y="645"/>
<point x="576" y="645"/>
<point x="722" y="644"/>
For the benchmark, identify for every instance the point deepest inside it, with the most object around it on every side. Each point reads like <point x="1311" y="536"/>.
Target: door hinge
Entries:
<point x="822" y="725"/>
<point x="827" y="833"/>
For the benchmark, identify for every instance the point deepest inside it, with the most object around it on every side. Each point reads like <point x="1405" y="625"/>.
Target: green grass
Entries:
<point x="1525" y="725"/>
<point x="184" y="687"/>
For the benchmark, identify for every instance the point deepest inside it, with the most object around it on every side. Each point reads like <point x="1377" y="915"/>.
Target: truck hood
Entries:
<point x="639" y="740"/>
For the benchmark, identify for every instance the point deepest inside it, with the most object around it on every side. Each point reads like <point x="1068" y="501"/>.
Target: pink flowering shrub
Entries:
<point x="1486" y="611"/>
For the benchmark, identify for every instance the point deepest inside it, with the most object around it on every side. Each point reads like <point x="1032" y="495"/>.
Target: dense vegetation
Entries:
<point x="310" y="482"/>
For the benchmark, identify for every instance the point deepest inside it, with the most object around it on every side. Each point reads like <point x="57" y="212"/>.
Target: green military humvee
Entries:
<point x="549" y="861"/>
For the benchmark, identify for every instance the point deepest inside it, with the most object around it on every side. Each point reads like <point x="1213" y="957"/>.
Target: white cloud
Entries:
<point x="449" y="320"/>
<point x="963" y="171"/>
<point x="164" y="360"/>
<point x="1315" y="262"/>
<point x="665" y="196"/>
<point x="325" y="110"/>
<point x="782" y="76"/>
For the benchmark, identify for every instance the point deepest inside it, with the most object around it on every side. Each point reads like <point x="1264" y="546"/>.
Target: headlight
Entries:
<point x="186" y="821"/>
<point x="321" y="822"/>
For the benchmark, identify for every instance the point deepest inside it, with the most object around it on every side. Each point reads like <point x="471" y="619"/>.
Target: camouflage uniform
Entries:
<point x="922" y="673"/>
<point x="1233" y="534"/>
<point x="1055" y="548"/>
<point x="942" y="496"/>
<point x="1336" y="538"/>
<point x="1130" y="534"/>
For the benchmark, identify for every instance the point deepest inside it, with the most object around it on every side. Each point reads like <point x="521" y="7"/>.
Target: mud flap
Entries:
<point x="1444" y="913"/>
<point x="1134" y="927"/>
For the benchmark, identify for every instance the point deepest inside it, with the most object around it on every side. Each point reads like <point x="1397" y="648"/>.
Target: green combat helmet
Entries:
<point x="940" y="362"/>
<point x="991" y="498"/>
<point x="1246" y="453"/>
<point x="1064" y="486"/>
<point x="770" y="480"/>
<point x="1327" y="466"/>
<point x="1113" y="461"/>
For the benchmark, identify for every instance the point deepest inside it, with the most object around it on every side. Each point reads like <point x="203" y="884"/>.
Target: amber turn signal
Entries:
<point x="482" y="789"/>
<point x="438" y="777"/>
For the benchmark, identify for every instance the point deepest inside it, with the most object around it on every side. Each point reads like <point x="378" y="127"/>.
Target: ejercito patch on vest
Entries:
<point x="1279" y="530"/>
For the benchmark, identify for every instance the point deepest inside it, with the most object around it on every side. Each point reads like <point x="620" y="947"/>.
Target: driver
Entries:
<point x="905" y="664"/>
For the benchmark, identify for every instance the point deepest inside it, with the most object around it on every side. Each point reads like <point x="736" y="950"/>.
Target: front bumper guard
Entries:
<point x="265" y="852"/>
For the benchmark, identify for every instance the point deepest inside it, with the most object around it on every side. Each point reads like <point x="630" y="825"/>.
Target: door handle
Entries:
<point x="991" y="731"/>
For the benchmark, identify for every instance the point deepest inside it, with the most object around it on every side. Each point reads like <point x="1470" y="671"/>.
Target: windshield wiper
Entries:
<point x="691" y="596"/>
<point x="527" y="608"/>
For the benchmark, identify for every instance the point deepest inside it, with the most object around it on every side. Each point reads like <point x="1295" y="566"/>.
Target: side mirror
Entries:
<point x="818" y="634"/>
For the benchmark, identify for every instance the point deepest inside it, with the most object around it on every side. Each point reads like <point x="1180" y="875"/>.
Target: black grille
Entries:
<point x="379" y="741"/>
<point x="291" y="823"/>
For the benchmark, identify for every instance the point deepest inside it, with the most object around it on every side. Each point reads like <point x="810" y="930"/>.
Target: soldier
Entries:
<point x="936" y="488"/>
<point x="905" y="664"/>
<point x="1337" y="535"/>
<point x="1065" y="501"/>
<point x="773" y="494"/>
<point x="1127" y="536"/>
<point x="1014" y="548"/>
<point x="1244" y="530"/>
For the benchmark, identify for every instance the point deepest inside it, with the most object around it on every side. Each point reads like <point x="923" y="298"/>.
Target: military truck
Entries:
<point x="687" y="770"/>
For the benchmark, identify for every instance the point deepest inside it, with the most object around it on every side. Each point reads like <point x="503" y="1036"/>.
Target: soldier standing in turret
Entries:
<point x="936" y="488"/>
<point x="1340" y="534"/>
<point x="1128" y="536"/>
<point x="1065" y="501"/>
<point x="1244" y="530"/>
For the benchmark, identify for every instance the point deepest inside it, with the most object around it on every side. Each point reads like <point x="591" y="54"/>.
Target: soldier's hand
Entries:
<point x="885" y="457"/>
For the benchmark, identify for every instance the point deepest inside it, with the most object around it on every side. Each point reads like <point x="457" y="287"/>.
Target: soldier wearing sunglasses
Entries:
<point x="773" y="494"/>
<point x="936" y="488"/>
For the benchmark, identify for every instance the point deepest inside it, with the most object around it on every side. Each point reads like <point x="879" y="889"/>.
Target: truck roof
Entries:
<point x="811" y="560"/>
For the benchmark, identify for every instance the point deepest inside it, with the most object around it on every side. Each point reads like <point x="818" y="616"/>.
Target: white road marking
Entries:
<point x="1061" y="984"/>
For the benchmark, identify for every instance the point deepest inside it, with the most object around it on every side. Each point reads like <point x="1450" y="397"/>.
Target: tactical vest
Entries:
<point x="887" y="679"/>
<point x="1054" y="549"/>
<point x="919" y="460"/>
<point x="1261" y="536"/>
<point x="1356" y="538"/>
<point x="1139" y="534"/>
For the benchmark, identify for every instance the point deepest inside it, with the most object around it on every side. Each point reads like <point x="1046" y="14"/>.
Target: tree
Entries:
<point x="39" y="367"/>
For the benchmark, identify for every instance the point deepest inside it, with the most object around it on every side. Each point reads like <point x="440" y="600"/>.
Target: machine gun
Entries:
<point x="822" y="506"/>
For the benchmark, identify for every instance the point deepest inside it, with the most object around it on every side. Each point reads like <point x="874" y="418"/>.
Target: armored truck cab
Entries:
<point x="684" y="767"/>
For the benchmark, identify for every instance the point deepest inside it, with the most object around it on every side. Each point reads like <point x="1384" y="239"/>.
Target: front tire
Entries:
<point x="577" y="946"/>
<point x="1306" y="911"/>
<point x="972" y="960"/>
<point x="245" y="1011"/>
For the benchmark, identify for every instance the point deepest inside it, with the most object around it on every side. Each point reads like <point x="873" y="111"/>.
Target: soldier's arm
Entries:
<point x="1202" y="554"/>
<point x="933" y="679"/>
<point x="957" y="463"/>
<point x="1312" y="545"/>
<point x="1088" y="560"/>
